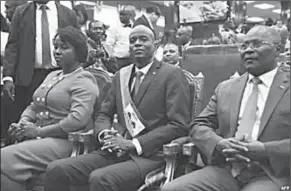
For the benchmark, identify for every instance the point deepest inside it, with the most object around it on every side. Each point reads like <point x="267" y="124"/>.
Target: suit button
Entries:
<point x="41" y="113"/>
<point x="47" y="113"/>
<point x="42" y="99"/>
<point x="38" y="99"/>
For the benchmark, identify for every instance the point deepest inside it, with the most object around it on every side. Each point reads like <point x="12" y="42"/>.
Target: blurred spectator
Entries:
<point x="151" y="17"/>
<point x="269" y="22"/>
<point x="171" y="54"/>
<point x="184" y="37"/>
<point x="10" y="7"/>
<point x="228" y="36"/>
<point x="212" y="40"/>
<point x="96" y="39"/>
<point x="82" y="16"/>
<point x="117" y="42"/>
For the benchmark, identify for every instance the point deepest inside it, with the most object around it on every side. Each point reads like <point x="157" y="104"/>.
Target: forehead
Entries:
<point x="141" y="31"/>
<point x="171" y="47"/>
<point x="262" y="34"/>
<point x="96" y="24"/>
<point x="182" y="31"/>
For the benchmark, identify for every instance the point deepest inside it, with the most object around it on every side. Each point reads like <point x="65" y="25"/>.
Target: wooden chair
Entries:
<point x="184" y="147"/>
<point x="196" y="84"/>
<point x="81" y="142"/>
<point x="172" y="151"/>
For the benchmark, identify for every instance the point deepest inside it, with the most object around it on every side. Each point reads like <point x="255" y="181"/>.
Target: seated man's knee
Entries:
<point x="56" y="169"/>
<point x="170" y="187"/>
<point x="99" y="179"/>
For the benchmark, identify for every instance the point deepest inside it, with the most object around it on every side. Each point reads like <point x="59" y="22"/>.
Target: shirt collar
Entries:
<point x="187" y="44"/>
<point x="266" y="78"/>
<point x="177" y="64"/>
<point x="145" y="69"/>
<point x="50" y="5"/>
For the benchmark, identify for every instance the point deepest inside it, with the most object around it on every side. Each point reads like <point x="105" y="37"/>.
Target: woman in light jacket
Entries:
<point x="63" y="103"/>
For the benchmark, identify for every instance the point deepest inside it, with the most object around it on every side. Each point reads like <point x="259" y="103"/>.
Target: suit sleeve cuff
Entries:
<point x="7" y="78"/>
<point x="137" y="145"/>
<point x="100" y="135"/>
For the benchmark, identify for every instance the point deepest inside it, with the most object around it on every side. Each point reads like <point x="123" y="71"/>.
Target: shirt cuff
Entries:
<point x="137" y="145"/>
<point x="101" y="133"/>
<point x="7" y="78"/>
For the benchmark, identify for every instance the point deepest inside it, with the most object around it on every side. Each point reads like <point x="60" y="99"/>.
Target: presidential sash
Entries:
<point x="132" y="117"/>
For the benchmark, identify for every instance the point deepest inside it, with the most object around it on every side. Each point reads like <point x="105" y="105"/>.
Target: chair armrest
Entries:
<point x="189" y="149"/>
<point x="73" y="136"/>
<point x="86" y="136"/>
<point x="175" y="147"/>
<point x="181" y="140"/>
<point x="172" y="149"/>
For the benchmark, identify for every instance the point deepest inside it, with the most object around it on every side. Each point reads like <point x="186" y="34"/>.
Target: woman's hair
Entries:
<point x="80" y="8"/>
<point x="77" y="39"/>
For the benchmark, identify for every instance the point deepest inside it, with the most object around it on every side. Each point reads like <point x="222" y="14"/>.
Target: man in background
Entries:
<point x="171" y="54"/>
<point x="184" y="37"/>
<point x="117" y="42"/>
<point x="150" y="17"/>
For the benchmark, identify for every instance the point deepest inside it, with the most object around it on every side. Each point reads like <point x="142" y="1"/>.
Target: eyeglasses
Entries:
<point x="254" y="44"/>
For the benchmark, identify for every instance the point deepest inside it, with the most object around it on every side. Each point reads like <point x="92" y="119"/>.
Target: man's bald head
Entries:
<point x="266" y="33"/>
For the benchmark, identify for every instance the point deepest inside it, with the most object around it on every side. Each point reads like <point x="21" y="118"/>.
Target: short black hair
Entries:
<point x="154" y="9"/>
<point x="77" y="39"/>
<point x="81" y="8"/>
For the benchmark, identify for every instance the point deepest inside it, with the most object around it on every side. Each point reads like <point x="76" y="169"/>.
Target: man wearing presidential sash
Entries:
<point x="151" y="100"/>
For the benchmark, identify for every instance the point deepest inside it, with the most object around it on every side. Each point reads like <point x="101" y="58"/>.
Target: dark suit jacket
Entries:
<point x="20" y="48"/>
<point x="219" y="120"/>
<point x="163" y="102"/>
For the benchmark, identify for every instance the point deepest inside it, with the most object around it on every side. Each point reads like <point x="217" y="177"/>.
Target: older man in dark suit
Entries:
<point x="244" y="132"/>
<point x="157" y="96"/>
<point x="28" y="52"/>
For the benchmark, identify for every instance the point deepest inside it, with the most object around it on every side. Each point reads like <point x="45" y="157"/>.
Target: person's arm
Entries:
<point x="203" y="129"/>
<point x="84" y="91"/>
<point x="278" y="153"/>
<point x="110" y="41"/>
<point x="177" y="99"/>
<point x="104" y="118"/>
<point x="12" y="47"/>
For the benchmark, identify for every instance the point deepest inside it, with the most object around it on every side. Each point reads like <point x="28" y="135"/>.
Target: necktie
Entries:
<point x="137" y="83"/>
<point x="45" y="37"/>
<point x="247" y="121"/>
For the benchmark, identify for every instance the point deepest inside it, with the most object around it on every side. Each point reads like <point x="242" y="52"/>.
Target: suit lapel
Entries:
<point x="235" y="102"/>
<point x="277" y="90"/>
<point x="146" y="82"/>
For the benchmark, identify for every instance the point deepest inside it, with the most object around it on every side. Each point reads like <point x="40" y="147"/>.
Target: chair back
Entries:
<point x="104" y="83"/>
<point x="196" y="91"/>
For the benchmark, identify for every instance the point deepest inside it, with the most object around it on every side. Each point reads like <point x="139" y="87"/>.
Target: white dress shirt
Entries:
<point x="264" y="88"/>
<point x="52" y="15"/>
<point x="117" y="41"/>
